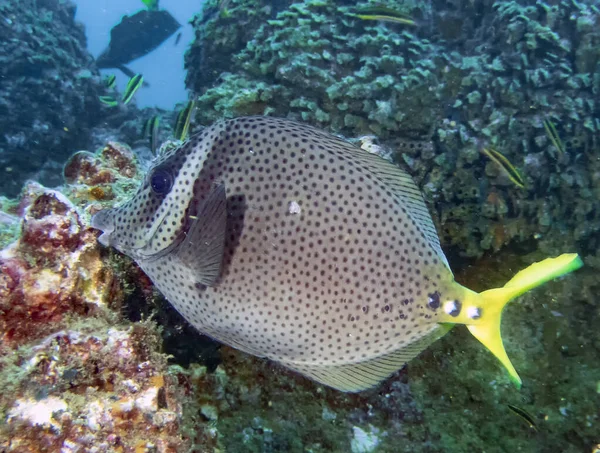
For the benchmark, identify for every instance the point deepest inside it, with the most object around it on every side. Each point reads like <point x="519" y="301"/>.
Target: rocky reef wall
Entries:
<point x="75" y="375"/>
<point x="48" y="91"/>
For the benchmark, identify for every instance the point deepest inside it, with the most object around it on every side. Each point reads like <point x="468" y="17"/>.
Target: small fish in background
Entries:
<point x="508" y="168"/>
<point x="109" y="101"/>
<point x="136" y="36"/>
<point x="384" y="14"/>
<point x="152" y="5"/>
<point x="524" y="415"/>
<point x="146" y="127"/>
<point x="184" y="117"/>
<point x="553" y="135"/>
<point x="110" y="81"/>
<point x="177" y="38"/>
<point x="253" y="230"/>
<point x="151" y="129"/>
<point x="133" y="85"/>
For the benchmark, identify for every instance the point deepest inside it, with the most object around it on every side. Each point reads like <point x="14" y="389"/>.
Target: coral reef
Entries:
<point x="93" y="179"/>
<point x="228" y="27"/>
<point x="95" y="388"/>
<point x="74" y="375"/>
<point x="53" y="270"/>
<point x="49" y="106"/>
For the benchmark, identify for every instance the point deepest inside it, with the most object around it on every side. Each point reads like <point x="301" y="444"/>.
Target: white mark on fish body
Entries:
<point x="474" y="312"/>
<point x="450" y="307"/>
<point x="294" y="208"/>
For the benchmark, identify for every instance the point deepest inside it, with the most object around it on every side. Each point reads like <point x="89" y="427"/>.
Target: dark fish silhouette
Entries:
<point x="135" y="36"/>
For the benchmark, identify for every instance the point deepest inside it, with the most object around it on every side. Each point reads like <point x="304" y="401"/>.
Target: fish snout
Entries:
<point x="104" y="221"/>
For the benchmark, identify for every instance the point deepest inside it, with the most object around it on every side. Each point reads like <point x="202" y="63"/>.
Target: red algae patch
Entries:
<point x="121" y="158"/>
<point x="84" y="168"/>
<point x="96" y="392"/>
<point x="74" y="375"/>
<point x="53" y="270"/>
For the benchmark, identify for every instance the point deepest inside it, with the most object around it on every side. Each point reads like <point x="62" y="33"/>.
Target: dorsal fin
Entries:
<point x="400" y="183"/>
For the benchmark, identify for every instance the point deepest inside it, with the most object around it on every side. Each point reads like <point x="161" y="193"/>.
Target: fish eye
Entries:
<point x="161" y="182"/>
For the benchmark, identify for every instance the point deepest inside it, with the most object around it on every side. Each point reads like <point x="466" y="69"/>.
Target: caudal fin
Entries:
<point x="487" y="328"/>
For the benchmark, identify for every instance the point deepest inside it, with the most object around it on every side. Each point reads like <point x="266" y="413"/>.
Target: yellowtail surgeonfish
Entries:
<point x="133" y="85"/>
<point x="287" y="242"/>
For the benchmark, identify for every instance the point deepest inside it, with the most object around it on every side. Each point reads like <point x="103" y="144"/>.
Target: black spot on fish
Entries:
<point x="434" y="300"/>
<point x="456" y="309"/>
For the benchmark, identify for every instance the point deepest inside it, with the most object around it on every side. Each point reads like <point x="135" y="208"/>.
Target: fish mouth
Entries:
<point x="103" y="221"/>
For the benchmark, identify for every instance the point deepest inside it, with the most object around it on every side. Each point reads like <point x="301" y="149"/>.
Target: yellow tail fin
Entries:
<point x="487" y="328"/>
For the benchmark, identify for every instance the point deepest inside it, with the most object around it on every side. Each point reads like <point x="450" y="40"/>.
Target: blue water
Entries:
<point x="163" y="67"/>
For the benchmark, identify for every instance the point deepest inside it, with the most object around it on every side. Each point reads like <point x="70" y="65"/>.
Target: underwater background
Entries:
<point x="491" y="106"/>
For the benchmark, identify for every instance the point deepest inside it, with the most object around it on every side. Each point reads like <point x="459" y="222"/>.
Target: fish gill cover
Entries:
<point x="490" y="106"/>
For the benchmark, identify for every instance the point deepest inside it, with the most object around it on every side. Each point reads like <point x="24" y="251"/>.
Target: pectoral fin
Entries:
<point x="203" y="247"/>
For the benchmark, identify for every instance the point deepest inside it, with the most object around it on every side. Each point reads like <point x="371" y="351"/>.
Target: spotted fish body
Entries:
<point x="289" y="243"/>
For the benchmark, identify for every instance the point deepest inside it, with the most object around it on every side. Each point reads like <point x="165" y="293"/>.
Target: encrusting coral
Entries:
<point x="73" y="374"/>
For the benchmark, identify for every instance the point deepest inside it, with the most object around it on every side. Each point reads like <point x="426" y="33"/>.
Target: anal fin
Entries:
<point x="355" y="377"/>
